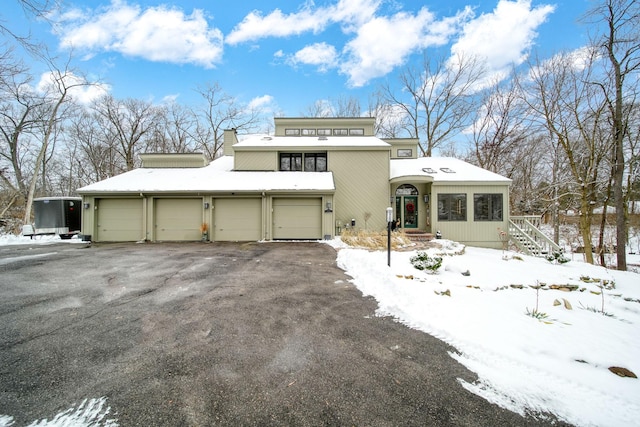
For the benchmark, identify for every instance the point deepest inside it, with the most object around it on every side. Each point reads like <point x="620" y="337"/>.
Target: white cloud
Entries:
<point x="503" y="37"/>
<point x="380" y="42"/>
<point x="260" y="102"/>
<point x="255" y="26"/>
<point x="384" y="43"/>
<point x="350" y="13"/>
<point x="156" y="33"/>
<point x="322" y="55"/>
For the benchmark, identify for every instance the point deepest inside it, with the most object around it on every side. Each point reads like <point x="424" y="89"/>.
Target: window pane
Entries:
<point x="487" y="207"/>
<point x="296" y="162"/>
<point x="285" y="163"/>
<point x="321" y="163"/>
<point x="452" y="207"/>
<point x="309" y="163"/>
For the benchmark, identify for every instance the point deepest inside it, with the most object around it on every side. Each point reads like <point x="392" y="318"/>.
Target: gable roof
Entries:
<point x="442" y="170"/>
<point x="218" y="176"/>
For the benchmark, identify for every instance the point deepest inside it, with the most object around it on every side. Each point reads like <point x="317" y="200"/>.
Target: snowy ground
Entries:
<point x="554" y="363"/>
<point x="557" y="362"/>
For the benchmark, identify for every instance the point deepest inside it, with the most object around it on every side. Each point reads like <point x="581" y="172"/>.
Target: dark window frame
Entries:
<point x="290" y="162"/>
<point x="488" y="207"/>
<point x="452" y="207"/>
<point x="302" y="162"/>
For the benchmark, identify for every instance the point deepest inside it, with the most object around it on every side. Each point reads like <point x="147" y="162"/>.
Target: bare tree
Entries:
<point x="500" y="128"/>
<point x="174" y="130"/>
<point x="620" y="41"/>
<point x="437" y="99"/>
<point x="220" y="112"/>
<point x="124" y="125"/>
<point x="573" y="113"/>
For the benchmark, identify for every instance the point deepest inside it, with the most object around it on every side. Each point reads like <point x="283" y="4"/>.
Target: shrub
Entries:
<point x="558" y="257"/>
<point x="422" y="261"/>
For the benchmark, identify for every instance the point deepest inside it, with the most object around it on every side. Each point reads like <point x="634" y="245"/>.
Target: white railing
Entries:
<point x="525" y="234"/>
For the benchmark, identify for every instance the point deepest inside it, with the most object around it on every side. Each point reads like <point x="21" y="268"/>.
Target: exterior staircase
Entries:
<point x="524" y="232"/>
<point x="416" y="235"/>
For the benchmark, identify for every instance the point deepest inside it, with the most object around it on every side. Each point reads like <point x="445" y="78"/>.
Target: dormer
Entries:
<point x="403" y="148"/>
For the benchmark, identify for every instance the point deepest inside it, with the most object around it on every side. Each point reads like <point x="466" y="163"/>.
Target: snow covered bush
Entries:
<point x="422" y="261"/>
<point x="557" y="257"/>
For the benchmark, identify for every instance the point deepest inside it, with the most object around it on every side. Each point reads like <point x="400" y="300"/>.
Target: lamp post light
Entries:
<point x="389" y="220"/>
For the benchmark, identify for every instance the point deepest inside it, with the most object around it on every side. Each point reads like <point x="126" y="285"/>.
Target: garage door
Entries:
<point x="237" y="220"/>
<point x="297" y="218"/>
<point x="119" y="220"/>
<point x="178" y="219"/>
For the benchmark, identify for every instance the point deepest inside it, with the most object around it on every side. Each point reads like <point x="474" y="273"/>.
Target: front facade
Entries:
<point x="312" y="179"/>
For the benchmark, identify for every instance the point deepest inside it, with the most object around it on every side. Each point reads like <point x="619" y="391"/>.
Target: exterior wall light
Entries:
<point x="86" y="205"/>
<point x="328" y="207"/>
<point x="206" y="205"/>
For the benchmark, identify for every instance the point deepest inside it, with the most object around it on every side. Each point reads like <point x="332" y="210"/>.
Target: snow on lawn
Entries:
<point x="554" y="363"/>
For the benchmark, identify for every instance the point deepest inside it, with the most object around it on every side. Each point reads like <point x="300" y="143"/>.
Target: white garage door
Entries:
<point x="297" y="218"/>
<point x="119" y="220"/>
<point x="178" y="219"/>
<point x="237" y="220"/>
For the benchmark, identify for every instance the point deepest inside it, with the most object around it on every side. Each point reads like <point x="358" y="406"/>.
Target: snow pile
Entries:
<point x="90" y="413"/>
<point x="554" y="359"/>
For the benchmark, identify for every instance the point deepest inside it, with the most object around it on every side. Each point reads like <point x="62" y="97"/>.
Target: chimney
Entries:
<point x="229" y="139"/>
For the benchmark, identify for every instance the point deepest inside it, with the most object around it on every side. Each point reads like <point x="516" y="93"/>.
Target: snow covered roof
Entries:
<point x="442" y="170"/>
<point x="269" y="141"/>
<point x="216" y="177"/>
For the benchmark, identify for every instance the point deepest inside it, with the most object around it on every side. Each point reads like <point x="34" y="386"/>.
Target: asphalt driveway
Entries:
<point x="254" y="334"/>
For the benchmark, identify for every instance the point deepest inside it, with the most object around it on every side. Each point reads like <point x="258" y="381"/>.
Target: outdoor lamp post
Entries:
<point x="389" y="220"/>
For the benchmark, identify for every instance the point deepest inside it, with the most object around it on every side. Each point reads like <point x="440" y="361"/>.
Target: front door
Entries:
<point x="407" y="211"/>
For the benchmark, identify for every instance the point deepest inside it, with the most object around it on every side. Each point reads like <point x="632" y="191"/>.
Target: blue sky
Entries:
<point x="284" y="56"/>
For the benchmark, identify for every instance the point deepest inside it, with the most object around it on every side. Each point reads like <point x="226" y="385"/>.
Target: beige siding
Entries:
<point x="178" y="219"/>
<point x="297" y="218"/>
<point x="119" y="220"/>
<point x="362" y="187"/>
<point x="255" y="161"/>
<point x="237" y="219"/>
<point x="470" y="232"/>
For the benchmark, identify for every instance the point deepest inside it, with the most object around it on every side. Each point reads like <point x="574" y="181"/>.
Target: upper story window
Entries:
<point x="405" y="152"/>
<point x="308" y="162"/>
<point x="290" y="161"/>
<point x="308" y="132"/>
<point x="341" y="132"/>
<point x="315" y="162"/>
<point x="357" y="132"/>
<point x="324" y="132"/>
<point x="292" y="132"/>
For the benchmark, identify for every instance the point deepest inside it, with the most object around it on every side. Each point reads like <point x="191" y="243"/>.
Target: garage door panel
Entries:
<point x="297" y="218"/>
<point x="119" y="220"/>
<point x="237" y="219"/>
<point x="178" y="219"/>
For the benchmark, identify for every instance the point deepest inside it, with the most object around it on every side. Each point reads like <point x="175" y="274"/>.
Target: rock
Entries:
<point x="622" y="372"/>
<point x="517" y="286"/>
<point x="556" y="303"/>
<point x="567" y="304"/>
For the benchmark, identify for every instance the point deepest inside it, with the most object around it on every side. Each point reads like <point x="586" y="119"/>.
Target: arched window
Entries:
<point x="406" y="190"/>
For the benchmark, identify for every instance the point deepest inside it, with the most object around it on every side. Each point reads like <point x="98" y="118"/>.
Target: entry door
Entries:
<point x="407" y="211"/>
